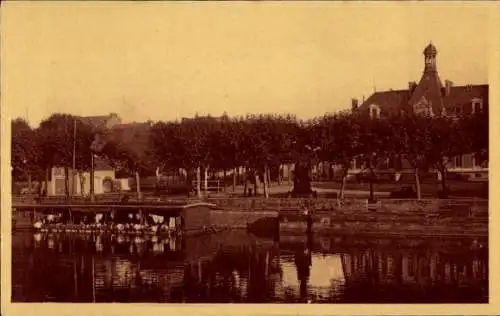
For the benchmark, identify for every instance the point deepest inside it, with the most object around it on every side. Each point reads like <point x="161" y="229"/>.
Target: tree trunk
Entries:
<point x="29" y="185"/>
<point x="280" y="170"/>
<point x="266" y="184"/>
<point x="442" y="170"/>
<point x="245" y="189"/>
<point x="47" y="176"/>
<point x="234" y="179"/>
<point x="256" y="183"/>
<point x="157" y="174"/>
<point x="417" y="184"/>
<point x="66" y="182"/>
<point x="198" y="182"/>
<point x="138" y="184"/>
<point x="82" y="184"/>
<point x="343" y="184"/>
<point x="289" y="174"/>
<point x="224" y="180"/>
<point x="92" y="179"/>
<point x="205" y="181"/>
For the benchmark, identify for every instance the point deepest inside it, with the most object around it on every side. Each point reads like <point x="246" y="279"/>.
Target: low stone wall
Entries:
<point x="458" y="218"/>
<point x="238" y="219"/>
<point x="402" y="226"/>
<point x="346" y="205"/>
<point x="426" y="217"/>
<point x="432" y="205"/>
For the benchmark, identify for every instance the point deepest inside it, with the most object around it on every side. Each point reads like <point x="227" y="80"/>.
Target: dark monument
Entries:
<point x="301" y="177"/>
<point x="301" y="180"/>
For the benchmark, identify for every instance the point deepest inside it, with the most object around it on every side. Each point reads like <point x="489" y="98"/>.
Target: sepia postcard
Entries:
<point x="249" y="157"/>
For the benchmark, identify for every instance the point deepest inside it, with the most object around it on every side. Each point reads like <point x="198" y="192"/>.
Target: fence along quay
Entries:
<point x="426" y="217"/>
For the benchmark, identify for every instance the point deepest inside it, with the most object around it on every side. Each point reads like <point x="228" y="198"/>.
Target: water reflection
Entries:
<point x="238" y="267"/>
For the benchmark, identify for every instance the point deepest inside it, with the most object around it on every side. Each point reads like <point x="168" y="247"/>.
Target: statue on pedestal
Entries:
<point x="302" y="178"/>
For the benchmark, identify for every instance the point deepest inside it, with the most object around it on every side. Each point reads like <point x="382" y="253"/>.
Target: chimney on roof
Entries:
<point x="447" y="87"/>
<point x="411" y="86"/>
<point x="354" y="104"/>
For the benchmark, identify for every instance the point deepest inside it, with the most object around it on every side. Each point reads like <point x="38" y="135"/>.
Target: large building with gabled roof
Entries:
<point x="429" y="96"/>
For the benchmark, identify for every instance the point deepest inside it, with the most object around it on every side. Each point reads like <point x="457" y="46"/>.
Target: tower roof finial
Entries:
<point x="430" y="50"/>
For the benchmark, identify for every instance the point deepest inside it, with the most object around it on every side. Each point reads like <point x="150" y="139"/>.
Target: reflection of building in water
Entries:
<point x="412" y="268"/>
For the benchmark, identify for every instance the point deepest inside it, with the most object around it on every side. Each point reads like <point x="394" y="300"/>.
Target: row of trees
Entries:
<point x="258" y="143"/>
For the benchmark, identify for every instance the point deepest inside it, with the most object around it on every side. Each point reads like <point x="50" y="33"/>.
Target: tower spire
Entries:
<point x="430" y="53"/>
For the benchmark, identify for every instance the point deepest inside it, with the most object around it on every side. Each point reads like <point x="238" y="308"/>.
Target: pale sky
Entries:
<point x="165" y="60"/>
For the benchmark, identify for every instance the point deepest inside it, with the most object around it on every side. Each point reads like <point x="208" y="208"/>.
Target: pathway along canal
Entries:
<point x="234" y="266"/>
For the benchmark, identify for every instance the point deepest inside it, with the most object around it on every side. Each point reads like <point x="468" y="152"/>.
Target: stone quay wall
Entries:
<point x="431" y="217"/>
<point x="426" y="217"/>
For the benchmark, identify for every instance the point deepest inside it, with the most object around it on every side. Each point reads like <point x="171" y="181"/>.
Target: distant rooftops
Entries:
<point x="101" y="121"/>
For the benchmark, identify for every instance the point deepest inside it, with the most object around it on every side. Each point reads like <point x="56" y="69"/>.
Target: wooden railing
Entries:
<point x="212" y="185"/>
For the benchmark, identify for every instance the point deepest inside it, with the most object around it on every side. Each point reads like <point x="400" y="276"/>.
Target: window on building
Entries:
<point x="477" y="106"/>
<point x="374" y="111"/>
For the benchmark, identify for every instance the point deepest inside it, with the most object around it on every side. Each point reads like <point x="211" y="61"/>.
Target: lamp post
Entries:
<point x="28" y="175"/>
<point x="73" y="170"/>
<point x="96" y="146"/>
<point x="92" y="196"/>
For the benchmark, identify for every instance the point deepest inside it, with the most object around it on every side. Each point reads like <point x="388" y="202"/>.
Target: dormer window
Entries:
<point x="477" y="106"/>
<point x="423" y="107"/>
<point x="374" y="111"/>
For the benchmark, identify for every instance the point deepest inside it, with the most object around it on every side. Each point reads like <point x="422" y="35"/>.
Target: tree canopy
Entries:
<point x="256" y="142"/>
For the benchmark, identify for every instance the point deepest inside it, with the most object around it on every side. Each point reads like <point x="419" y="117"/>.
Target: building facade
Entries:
<point x="79" y="182"/>
<point x="430" y="97"/>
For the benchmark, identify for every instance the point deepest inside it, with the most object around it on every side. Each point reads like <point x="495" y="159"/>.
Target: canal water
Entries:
<point x="235" y="266"/>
